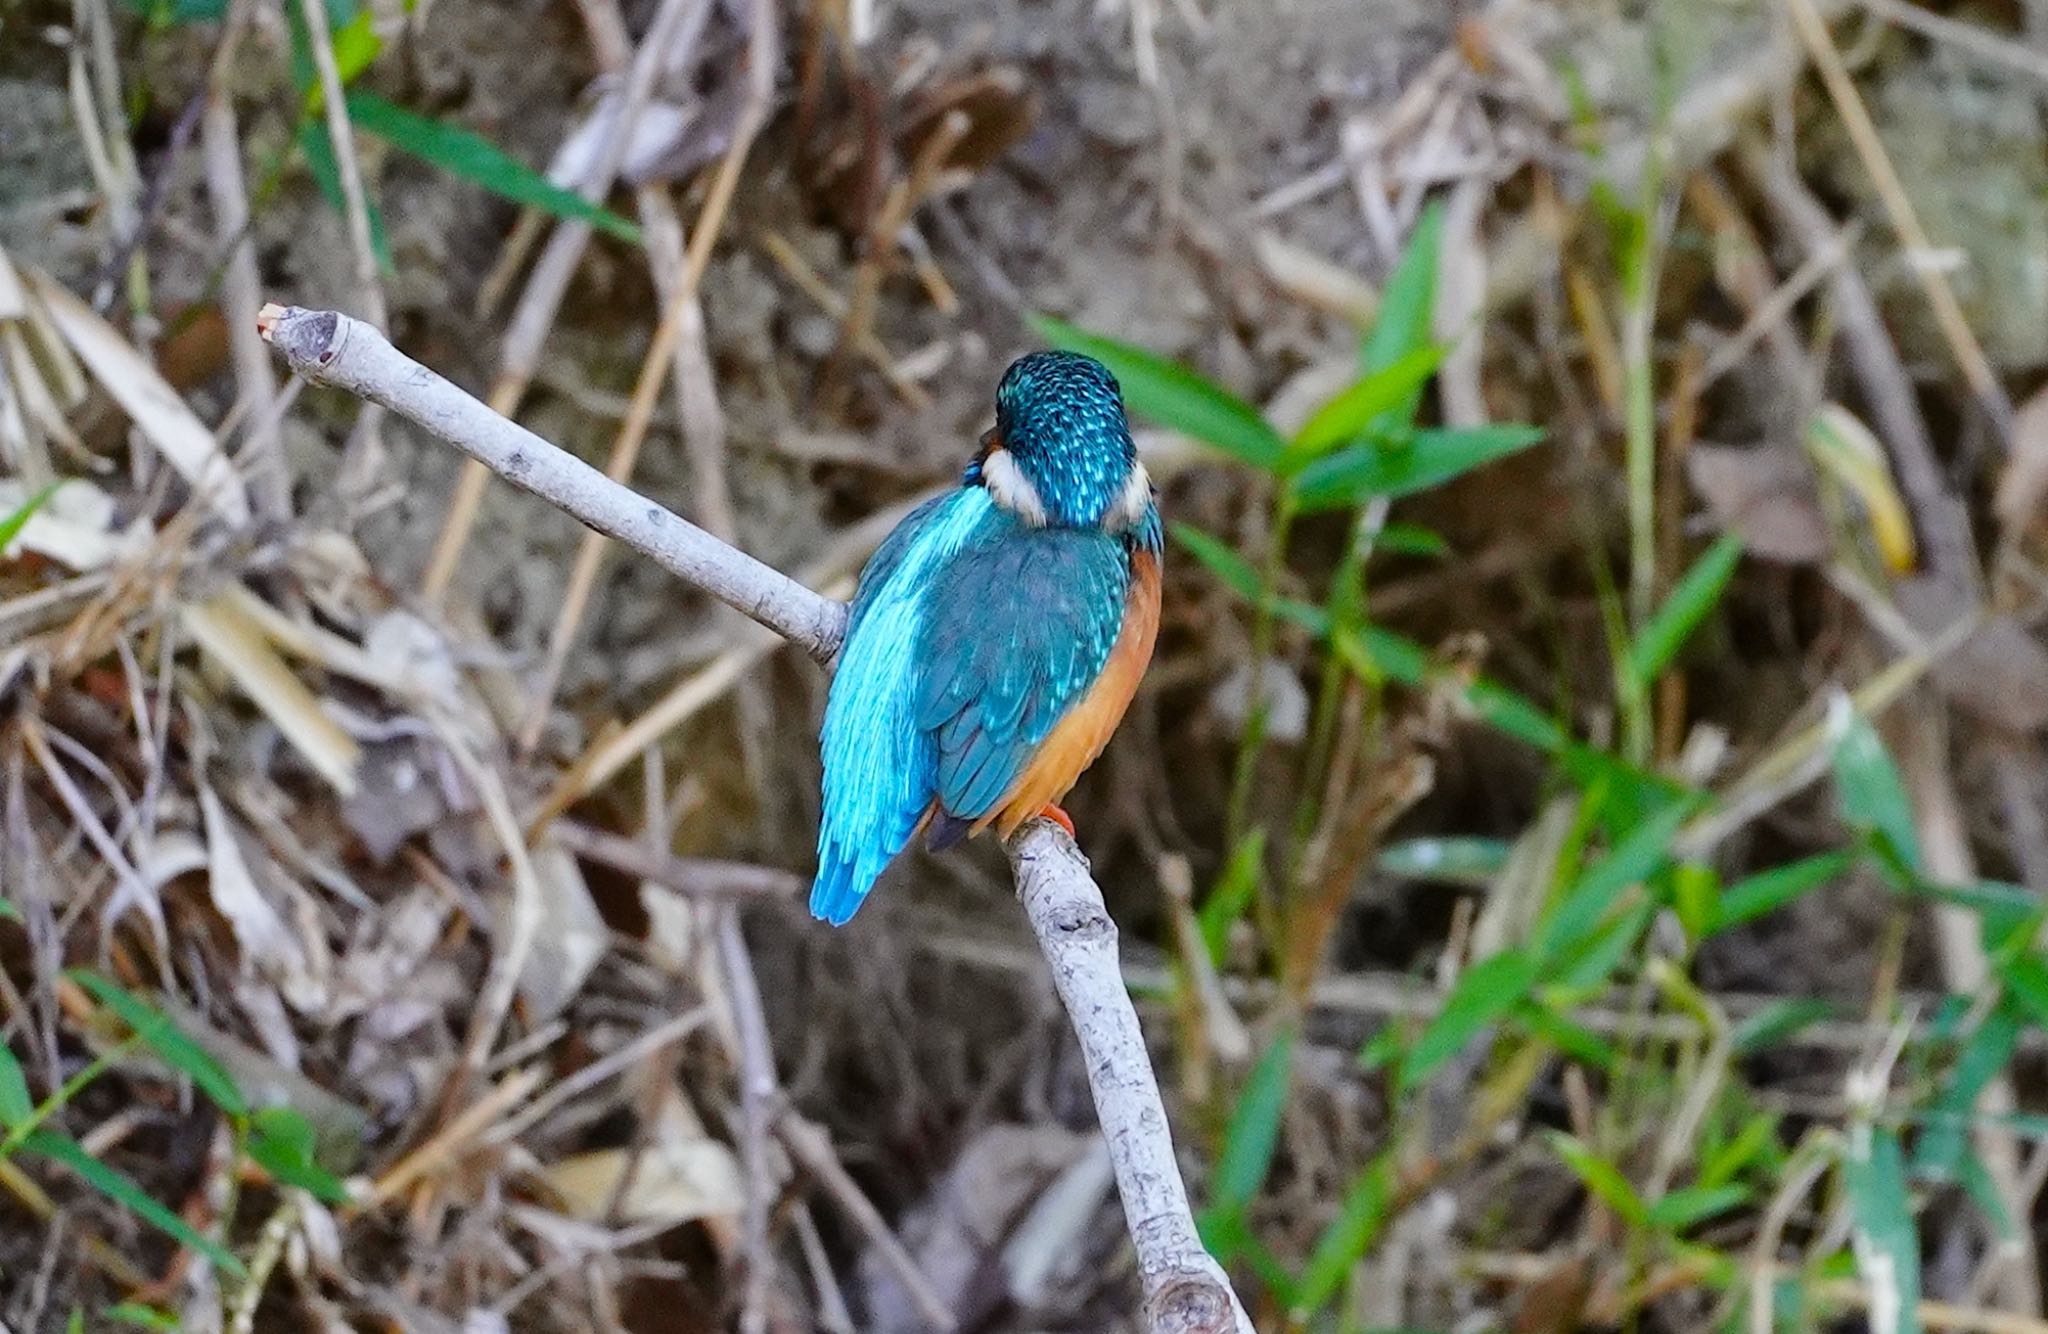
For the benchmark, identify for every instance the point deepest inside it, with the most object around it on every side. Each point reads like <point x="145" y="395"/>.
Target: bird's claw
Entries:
<point x="1060" y="818"/>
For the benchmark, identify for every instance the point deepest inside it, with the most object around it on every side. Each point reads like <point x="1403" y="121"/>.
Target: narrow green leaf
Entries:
<point x="1781" y="886"/>
<point x="1867" y="784"/>
<point x="283" y="1143"/>
<point x="16" y="1106"/>
<point x="1350" y="1234"/>
<point x="1939" y="1152"/>
<point x="12" y="524"/>
<point x="1232" y="897"/>
<point x="1695" y="594"/>
<point x="142" y="1317"/>
<point x="1758" y="1135"/>
<point x="1408" y="539"/>
<point x="1238" y="575"/>
<point x="1779" y="1020"/>
<point x="1428" y="458"/>
<point x="1484" y="993"/>
<point x="1584" y="969"/>
<point x="1887" y="1245"/>
<point x="2026" y="981"/>
<point x="156" y="1029"/>
<point x="1254" y="1130"/>
<point x="1408" y="303"/>
<point x="1219" y="558"/>
<point x="320" y="160"/>
<point x="1346" y="418"/>
<point x="469" y="155"/>
<point x="1173" y="395"/>
<point x="121" y="1189"/>
<point x="1574" y="1040"/>
<point x="1600" y="1177"/>
<point x="1681" y="1209"/>
<point x="1978" y="1183"/>
<point x="1458" y="861"/>
<point x="1635" y="859"/>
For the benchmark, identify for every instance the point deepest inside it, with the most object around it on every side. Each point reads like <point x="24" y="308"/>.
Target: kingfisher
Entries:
<point x="996" y="636"/>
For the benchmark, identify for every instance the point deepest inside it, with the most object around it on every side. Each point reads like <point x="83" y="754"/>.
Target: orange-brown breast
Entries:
<point x="1080" y="736"/>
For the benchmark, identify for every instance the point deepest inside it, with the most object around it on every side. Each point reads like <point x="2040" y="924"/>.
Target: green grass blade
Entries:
<point x="1681" y="1209"/>
<point x="16" y="1106"/>
<point x="1602" y="1178"/>
<point x="1635" y="859"/>
<point x="123" y="1190"/>
<point x="1695" y="594"/>
<point x="1887" y="1246"/>
<point x="1172" y="395"/>
<point x="1351" y="414"/>
<point x="12" y="524"/>
<point x="156" y="1029"/>
<point x="1232" y="896"/>
<point x="476" y="159"/>
<point x="1867" y="784"/>
<point x="1429" y="458"/>
<point x="1779" y="1020"/>
<point x="1484" y="994"/>
<point x="283" y="1143"/>
<point x="1768" y="891"/>
<point x="142" y="1317"/>
<point x="1254" y="1131"/>
<point x="1350" y="1234"/>
<point x="1941" y="1148"/>
<point x="1408" y="304"/>
<point x="326" y="169"/>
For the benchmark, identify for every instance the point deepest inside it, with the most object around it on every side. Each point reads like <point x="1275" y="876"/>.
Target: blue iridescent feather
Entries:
<point x="980" y="622"/>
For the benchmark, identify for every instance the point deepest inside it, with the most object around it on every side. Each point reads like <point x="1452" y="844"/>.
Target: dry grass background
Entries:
<point x="481" y="854"/>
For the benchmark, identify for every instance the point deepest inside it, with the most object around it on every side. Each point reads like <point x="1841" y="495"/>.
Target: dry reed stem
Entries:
<point x="681" y="315"/>
<point x="1948" y="312"/>
<point x="1186" y="1291"/>
<point x="542" y="297"/>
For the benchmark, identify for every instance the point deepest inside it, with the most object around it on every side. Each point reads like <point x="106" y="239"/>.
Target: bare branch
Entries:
<point x="330" y="348"/>
<point x="1186" y="1291"/>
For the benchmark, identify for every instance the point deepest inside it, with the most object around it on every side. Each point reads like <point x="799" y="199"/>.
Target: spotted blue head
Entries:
<point x="1061" y="454"/>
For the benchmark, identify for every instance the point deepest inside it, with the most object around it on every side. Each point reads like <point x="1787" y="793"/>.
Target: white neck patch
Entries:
<point x="1010" y="488"/>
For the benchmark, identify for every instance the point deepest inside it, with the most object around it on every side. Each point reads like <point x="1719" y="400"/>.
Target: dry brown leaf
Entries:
<point x="1322" y="283"/>
<point x="682" y="1175"/>
<point x="234" y="640"/>
<point x="155" y="408"/>
<point x="571" y="939"/>
<point x="13" y="300"/>
<point x="269" y="945"/>
<point x="1766" y="495"/>
<point x="2025" y="479"/>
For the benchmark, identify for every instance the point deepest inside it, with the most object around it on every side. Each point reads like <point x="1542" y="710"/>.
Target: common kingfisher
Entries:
<point x="996" y="636"/>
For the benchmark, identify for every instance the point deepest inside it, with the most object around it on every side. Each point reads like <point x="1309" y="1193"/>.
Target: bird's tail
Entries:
<point x="844" y="879"/>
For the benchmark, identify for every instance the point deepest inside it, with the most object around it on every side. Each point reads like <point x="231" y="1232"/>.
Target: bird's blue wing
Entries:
<point x="1017" y="628"/>
<point x="878" y="763"/>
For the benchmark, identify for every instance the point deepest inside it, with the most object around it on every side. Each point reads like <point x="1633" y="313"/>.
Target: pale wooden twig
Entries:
<point x="359" y="465"/>
<point x="241" y="290"/>
<point x="1891" y="192"/>
<point x="328" y="347"/>
<point x="1186" y="1291"/>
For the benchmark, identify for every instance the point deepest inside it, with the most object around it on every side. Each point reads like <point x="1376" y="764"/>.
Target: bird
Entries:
<point x="996" y="636"/>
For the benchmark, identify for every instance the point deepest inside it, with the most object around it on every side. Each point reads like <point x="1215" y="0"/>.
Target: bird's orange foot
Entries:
<point x="1060" y="818"/>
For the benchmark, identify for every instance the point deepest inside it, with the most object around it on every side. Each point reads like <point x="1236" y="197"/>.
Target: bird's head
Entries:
<point x="1061" y="453"/>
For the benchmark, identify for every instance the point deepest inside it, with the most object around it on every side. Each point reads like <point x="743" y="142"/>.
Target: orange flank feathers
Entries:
<point x="1080" y="736"/>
